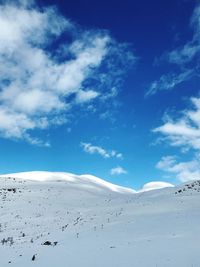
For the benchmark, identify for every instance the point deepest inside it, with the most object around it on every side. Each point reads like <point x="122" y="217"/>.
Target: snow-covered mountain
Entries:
<point x="78" y="181"/>
<point x="61" y="219"/>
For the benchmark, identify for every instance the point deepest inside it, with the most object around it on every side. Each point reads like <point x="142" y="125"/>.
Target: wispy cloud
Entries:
<point x="184" y="59"/>
<point x="118" y="171"/>
<point x="169" y="81"/>
<point x="91" y="149"/>
<point x="183" y="171"/>
<point x="40" y="85"/>
<point x="185" y="54"/>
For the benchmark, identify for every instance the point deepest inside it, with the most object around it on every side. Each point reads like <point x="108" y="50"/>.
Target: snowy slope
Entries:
<point x="86" y="181"/>
<point x="94" y="223"/>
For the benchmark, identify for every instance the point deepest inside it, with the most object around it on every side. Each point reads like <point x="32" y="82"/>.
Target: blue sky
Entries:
<point x="109" y="88"/>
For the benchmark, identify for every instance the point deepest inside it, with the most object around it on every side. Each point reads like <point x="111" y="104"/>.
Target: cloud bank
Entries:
<point x="183" y="133"/>
<point x="183" y="171"/>
<point x="48" y="65"/>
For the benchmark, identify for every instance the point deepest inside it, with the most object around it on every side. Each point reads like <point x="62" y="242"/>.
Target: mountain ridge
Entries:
<point x="70" y="177"/>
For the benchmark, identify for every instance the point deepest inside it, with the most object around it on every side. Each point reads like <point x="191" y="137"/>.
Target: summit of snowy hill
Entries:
<point x="155" y="185"/>
<point x="84" y="181"/>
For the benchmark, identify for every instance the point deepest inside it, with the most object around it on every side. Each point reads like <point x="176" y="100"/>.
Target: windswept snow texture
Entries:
<point x="59" y="219"/>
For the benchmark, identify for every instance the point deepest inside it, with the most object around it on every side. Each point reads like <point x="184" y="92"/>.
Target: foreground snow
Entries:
<point x="96" y="224"/>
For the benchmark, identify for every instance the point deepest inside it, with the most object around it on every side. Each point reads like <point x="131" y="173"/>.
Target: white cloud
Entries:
<point x="166" y="162"/>
<point x="118" y="171"/>
<point x="86" y="96"/>
<point x="91" y="149"/>
<point x="185" y="131"/>
<point x="183" y="171"/>
<point x="36" y="81"/>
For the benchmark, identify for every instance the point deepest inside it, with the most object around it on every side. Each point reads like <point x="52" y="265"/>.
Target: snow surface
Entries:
<point x="95" y="223"/>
